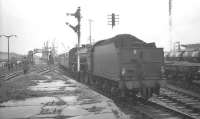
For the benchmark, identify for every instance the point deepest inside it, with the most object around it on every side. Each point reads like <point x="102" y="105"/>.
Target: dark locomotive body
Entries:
<point x="122" y="65"/>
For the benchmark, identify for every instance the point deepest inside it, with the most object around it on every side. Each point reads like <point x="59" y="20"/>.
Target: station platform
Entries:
<point x="61" y="98"/>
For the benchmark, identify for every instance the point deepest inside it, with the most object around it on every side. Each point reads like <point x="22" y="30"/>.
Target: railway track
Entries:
<point x="2" y="76"/>
<point x="44" y="69"/>
<point x="37" y="69"/>
<point x="7" y="76"/>
<point x="40" y="69"/>
<point x="179" y="102"/>
<point x="12" y="75"/>
<point x="170" y="104"/>
<point x="162" y="107"/>
<point x="141" y="110"/>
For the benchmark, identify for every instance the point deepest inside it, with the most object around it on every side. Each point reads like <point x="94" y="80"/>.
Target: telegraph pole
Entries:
<point x="170" y="25"/>
<point x="8" y="37"/>
<point x="90" y="37"/>
<point x="113" y="19"/>
<point x="76" y="29"/>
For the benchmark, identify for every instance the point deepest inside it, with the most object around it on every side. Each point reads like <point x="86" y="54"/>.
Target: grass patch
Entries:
<point x="17" y="89"/>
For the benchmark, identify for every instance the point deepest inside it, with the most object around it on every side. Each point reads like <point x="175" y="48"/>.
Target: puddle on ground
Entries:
<point x="88" y="101"/>
<point x="96" y="116"/>
<point x="74" y="111"/>
<point x="53" y="85"/>
<point x="69" y="99"/>
<point x="47" y="76"/>
<point x="19" y="112"/>
<point x="70" y="88"/>
<point x="100" y="107"/>
<point x="70" y="85"/>
<point x="40" y="81"/>
<point x="48" y="86"/>
<point x="29" y="102"/>
<point x="23" y="108"/>
<point x="83" y="111"/>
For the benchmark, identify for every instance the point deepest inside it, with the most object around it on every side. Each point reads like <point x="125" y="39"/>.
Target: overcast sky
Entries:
<point x="36" y="21"/>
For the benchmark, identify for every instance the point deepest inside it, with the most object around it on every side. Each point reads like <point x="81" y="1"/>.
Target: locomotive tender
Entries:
<point x="123" y="65"/>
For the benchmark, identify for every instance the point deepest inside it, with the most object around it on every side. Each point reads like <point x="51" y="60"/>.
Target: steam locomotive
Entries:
<point x="122" y="66"/>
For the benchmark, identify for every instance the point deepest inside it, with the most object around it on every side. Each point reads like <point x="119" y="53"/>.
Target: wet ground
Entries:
<point x="62" y="98"/>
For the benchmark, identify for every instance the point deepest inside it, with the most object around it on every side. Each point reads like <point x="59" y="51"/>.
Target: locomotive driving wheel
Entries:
<point x="90" y="79"/>
<point x="86" y="78"/>
<point x="107" y="87"/>
<point x="114" y="91"/>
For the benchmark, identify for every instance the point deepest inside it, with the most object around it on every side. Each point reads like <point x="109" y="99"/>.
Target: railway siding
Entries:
<point x="179" y="102"/>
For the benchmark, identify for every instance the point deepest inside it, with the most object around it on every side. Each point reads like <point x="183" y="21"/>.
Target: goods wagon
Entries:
<point x="189" y="56"/>
<point x="72" y="59"/>
<point x="126" y="65"/>
<point x="63" y="60"/>
<point x="182" y="70"/>
<point x="185" y="65"/>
